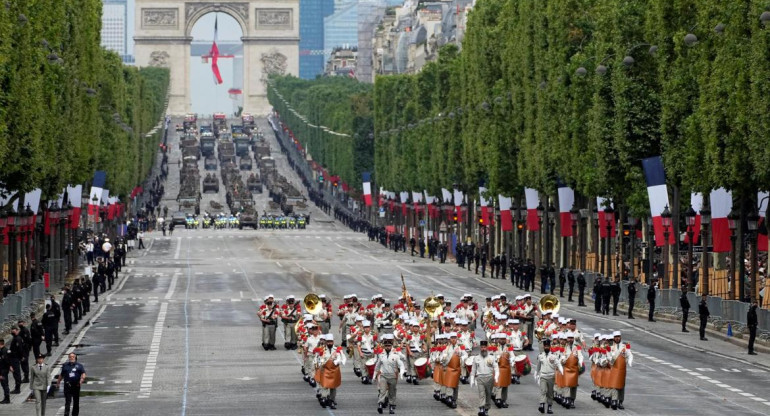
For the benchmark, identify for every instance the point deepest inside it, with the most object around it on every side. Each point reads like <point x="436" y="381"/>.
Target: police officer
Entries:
<point x="631" y="297"/>
<point x="606" y="291"/>
<point x="85" y="285"/>
<point x="651" y="294"/>
<point x="581" y="281"/>
<point x="615" y="293"/>
<point x="685" y="304"/>
<point x="15" y="354"/>
<point x="752" y="322"/>
<point x="56" y="309"/>
<point x="67" y="306"/>
<point x="49" y="326"/>
<point x="26" y="338"/>
<point x="571" y="283"/>
<point x="5" y="368"/>
<point x="37" y="333"/>
<point x="74" y="374"/>
<point x="703" y="311"/>
<point x="562" y="281"/>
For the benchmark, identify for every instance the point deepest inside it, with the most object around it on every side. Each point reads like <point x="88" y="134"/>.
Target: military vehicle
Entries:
<point x="226" y="151"/>
<point x="220" y="124"/>
<point x="245" y="163"/>
<point x="254" y="183"/>
<point x="248" y="218"/>
<point x="190" y="122"/>
<point x="210" y="183"/>
<point x="210" y="163"/>
<point x="267" y="169"/>
<point x="208" y="141"/>
<point x="261" y="149"/>
<point x="248" y="123"/>
<point x="241" y="144"/>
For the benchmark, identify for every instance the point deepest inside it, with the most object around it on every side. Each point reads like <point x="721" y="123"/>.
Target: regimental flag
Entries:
<point x="532" y="199"/>
<point x="762" y="198"/>
<point x="506" y="217"/>
<point x="484" y="206"/>
<point x="367" y="188"/>
<point x="214" y="53"/>
<point x="721" y="205"/>
<point x="97" y="188"/>
<point x="458" y="199"/>
<point x="75" y="194"/>
<point x="566" y="201"/>
<point x="602" y="203"/>
<point x="657" y="191"/>
<point x="696" y="202"/>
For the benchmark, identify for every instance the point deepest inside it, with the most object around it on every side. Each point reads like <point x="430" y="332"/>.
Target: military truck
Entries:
<point x="208" y="141"/>
<point x="220" y="124"/>
<point x="245" y="163"/>
<point x="266" y="169"/>
<point x="253" y="183"/>
<point x="211" y="183"/>
<point x="241" y="144"/>
<point x="226" y="151"/>
<point x="190" y="122"/>
<point x="248" y="218"/>
<point x="210" y="163"/>
<point x="261" y="149"/>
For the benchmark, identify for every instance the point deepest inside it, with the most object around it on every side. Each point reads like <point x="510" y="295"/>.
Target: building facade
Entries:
<point x="311" y="36"/>
<point x="341" y="28"/>
<point x="115" y="28"/>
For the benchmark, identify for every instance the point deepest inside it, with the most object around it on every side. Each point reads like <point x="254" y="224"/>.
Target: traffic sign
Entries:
<point x="422" y="223"/>
<point x="442" y="227"/>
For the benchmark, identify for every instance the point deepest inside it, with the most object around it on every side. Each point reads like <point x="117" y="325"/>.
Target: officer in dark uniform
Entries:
<point x="96" y="283"/>
<point x="631" y="297"/>
<point x="606" y="291"/>
<point x="421" y="245"/>
<point x="685" y="304"/>
<point x="37" y="333"/>
<point x="598" y="294"/>
<point x="571" y="283"/>
<point x="5" y="368"/>
<point x="85" y="284"/>
<point x="552" y="277"/>
<point x="477" y="259"/>
<point x="543" y="278"/>
<point x="49" y="326"/>
<point x="752" y="322"/>
<point x="110" y="273"/>
<point x="615" y="291"/>
<point x="502" y="264"/>
<point x="651" y="294"/>
<point x="66" y="305"/>
<point x="26" y="339"/>
<point x="493" y="266"/>
<point x="56" y="309"/>
<point x="703" y="311"/>
<point x="470" y="252"/>
<point x="581" y="281"/>
<point x="412" y="243"/>
<point x="482" y="257"/>
<point x="562" y="281"/>
<point x="16" y="353"/>
<point x="73" y="374"/>
<point x="77" y="310"/>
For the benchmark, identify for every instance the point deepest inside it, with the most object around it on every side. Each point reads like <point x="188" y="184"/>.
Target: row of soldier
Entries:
<point x="387" y="343"/>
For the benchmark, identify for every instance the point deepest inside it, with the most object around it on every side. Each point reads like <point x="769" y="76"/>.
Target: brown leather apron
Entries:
<point x="571" y="372"/>
<point x="504" y="366"/>
<point x="617" y="378"/>
<point x="331" y="377"/>
<point x="452" y="373"/>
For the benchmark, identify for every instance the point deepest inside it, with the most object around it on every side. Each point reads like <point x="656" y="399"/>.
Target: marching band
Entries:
<point x="437" y="342"/>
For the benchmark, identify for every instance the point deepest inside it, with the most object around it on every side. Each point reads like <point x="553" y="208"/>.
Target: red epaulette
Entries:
<point x="491" y="348"/>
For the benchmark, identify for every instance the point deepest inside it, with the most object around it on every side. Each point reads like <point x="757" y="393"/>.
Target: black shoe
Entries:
<point x="7" y="400"/>
<point x="56" y="344"/>
<point x="25" y="380"/>
<point x="593" y="394"/>
<point x="452" y="404"/>
<point x="16" y="391"/>
<point x="312" y="383"/>
<point x="704" y="339"/>
<point x="318" y="395"/>
<point x="333" y="405"/>
<point x="631" y="317"/>
<point x="614" y="405"/>
<point x="498" y="403"/>
<point x="306" y="379"/>
<point x="415" y="381"/>
<point x="541" y="408"/>
<point x="549" y="411"/>
<point x="505" y="405"/>
<point x="607" y="403"/>
<point x="620" y="406"/>
<point x="481" y="411"/>
<point x="379" y="408"/>
<point x="685" y="330"/>
<point x="323" y="403"/>
<point x="752" y="353"/>
<point x="652" y="320"/>
<point x="436" y="396"/>
<point x="392" y="410"/>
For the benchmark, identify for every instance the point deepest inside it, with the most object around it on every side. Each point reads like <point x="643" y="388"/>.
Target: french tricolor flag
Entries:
<point x="416" y="200"/>
<point x="721" y="205"/>
<point x="367" y="188"/>
<point x="74" y="195"/>
<point x="97" y="189"/>
<point x="566" y="201"/>
<point x="446" y="196"/>
<point x="762" y="198"/>
<point x="532" y="201"/>
<point x="602" y="203"/>
<point x="658" y="194"/>
<point x="404" y="201"/>
<point x="506" y="218"/>
<point x="696" y="202"/>
<point x="214" y="53"/>
<point x="484" y="205"/>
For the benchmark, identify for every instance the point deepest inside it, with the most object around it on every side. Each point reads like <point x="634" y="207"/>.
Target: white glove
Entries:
<point x="534" y="375"/>
<point x="402" y="374"/>
<point x="497" y="376"/>
<point x="473" y="381"/>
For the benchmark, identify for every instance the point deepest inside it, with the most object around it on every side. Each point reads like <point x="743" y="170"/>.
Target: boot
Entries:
<point x="620" y="406"/>
<point x="481" y="411"/>
<point x="607" y="402"/>
<point x="498" y="403"/>
<point x="415" y="381"/>
<point x="435" y="395"/>
<point x="324" y="402"/>
<point x="570" y="403"/>
<point x="379" y="408"/>
<point x="318" y="395"/>
<point x="306" y="379"/>
<point x="549" y="411"/>
<point x="614" y="405"/>
<point x="541" y="408"/>
<point x="17" y="390"/>
<point x="6" y="400"/>
<point x="313" y="383"/>
<point x="301" y="368"/>
<point x="392" y="409"/>
<point x="357" y="372"/>
<point x="504" y="405"/>
<point x="452" y="404"/>
<point x="408" y="379"/>
<point x="333" y="405"/>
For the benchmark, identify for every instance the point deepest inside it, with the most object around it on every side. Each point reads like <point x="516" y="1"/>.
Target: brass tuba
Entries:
<point x="312" y="303"/>
<point x="433" y="306"/>
<point x="548" y="303"/>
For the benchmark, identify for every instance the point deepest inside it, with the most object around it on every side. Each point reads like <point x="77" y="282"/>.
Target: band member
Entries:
<point x="620" y="356"/>
<point x="365" y="345"/>
<point x="547" y="365"/>
<point x="438" y="371"/>
<point x="328" y="361"/>
<point x="389" y="367"/>
<point x="323" y="318"/>
<point x="465" y="338"/>
<point x="452" y="359"/>
<point x="572" y="360"/>
<point x="268" y="314"/>
<point x="484" y="372"/>
<point x="415" y="349"/>
<point x="290" y="312"/>
<point x="504" y="361"/>
<point x="309" y="345"/>
<point x="593" y="357"/>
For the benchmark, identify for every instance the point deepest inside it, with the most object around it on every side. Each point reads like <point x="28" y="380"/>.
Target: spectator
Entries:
<point x="7" y="288"/>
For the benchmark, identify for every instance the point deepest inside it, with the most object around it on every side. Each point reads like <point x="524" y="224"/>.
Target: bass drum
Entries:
<point x="420" y="367"/>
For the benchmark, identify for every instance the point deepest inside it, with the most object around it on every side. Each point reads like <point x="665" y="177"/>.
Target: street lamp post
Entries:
<point x="599" y="256"/>
<point x="574" y="215"/>
<point x="666" y="219"/>
<point x="705" y="221"/>
<point x="752" y="221"/>
<point x="690" y="218"/>
<point x="540" y="213"/>
<point x="522" y="230"/>
<point x="608" y="219"/>
<point x="631" y="223"/>
<point x="583" y="237"/>
<point x="650" y="250"/>
<point x="549" y="236"/>
<point x="732" y="223"/>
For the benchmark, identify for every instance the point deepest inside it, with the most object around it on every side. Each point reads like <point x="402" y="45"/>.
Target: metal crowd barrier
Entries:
<point x="20" y="304"/>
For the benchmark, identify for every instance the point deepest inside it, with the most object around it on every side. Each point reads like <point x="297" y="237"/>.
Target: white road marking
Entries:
<point x="149" y="370"/>
<point x="178" y="247"/>
<point x="172" y="286"/>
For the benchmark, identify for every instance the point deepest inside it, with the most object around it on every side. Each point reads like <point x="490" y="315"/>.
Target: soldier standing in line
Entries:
<point x="552" y="277"/>
<point x="66" y="305"/>
<point x="581" y="281"/>
<point x="484" y="372"/>
<point x="56" y="309"/>
<point x="85" y="286"/>
<point x="26" y="339"/>
<point x="503" y="264"/>
<point x="268" y="314"/>
<point x="752" y="322"/>
<point x="386" y="372"/>
<point x="37" y="334"/>
<point x="421" y="246"/>
<point x="685" y="304"/>
<point x="562" y="281"/>
<point x="651" y="294"/>
<point x="606" y="291"/>
<point x="5" y="368"/>
<point x="49" y="326"/>
<point x="703" y="311"/>
<point x="631" y="297"/>
<point x="571" y="284"/>
<point x="412" y="243"/>
<point x="615" y="292"/>
<point x="16" y="353"/>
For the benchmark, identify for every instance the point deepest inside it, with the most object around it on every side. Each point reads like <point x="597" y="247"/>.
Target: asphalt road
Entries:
<point x="180" y="335"/>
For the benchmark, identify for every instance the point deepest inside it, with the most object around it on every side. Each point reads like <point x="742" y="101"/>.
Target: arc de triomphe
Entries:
<point x="270" y="43"/>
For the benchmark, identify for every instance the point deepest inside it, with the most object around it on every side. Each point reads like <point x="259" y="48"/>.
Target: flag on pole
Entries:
<point x="97" y="186"/>
<point x="458" y="197"/>
<point x="566" y="201"/>
<point x="367" y="188"/>
<point x="214" y="52"/>
<point x="657" y="191"/>
<point x="602" y="203"/>
<point x="721" y="204"/>
<point x="696" y="202"/>
<point x="484" y="205"/>
<point x="762" y="198"/>
<point x="74" y="195"/>
<point x="532" y="201"/>
<point x="446" y="196"/>
<point x="506" y="218"/>
<point x="404" y="201"/>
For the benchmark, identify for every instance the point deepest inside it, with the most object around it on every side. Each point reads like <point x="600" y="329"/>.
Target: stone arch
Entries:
<point x="238" y="11"/>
